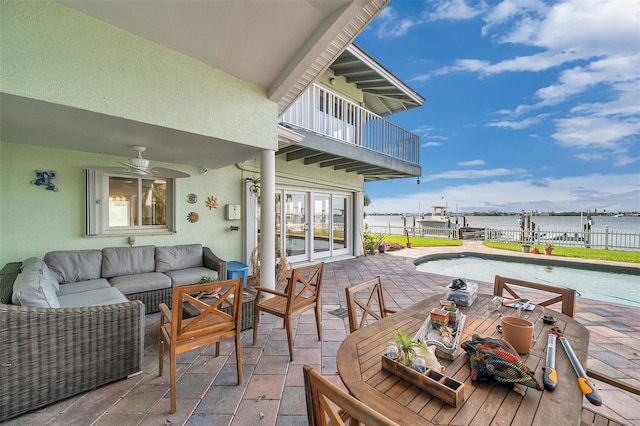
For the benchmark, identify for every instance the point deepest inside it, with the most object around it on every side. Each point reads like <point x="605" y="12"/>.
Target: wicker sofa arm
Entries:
<point x="48" y="355"/>
<point x="211" y="261"/>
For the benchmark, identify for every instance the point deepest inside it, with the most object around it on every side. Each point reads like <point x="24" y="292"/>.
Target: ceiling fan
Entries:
<point x="140" y="167"/>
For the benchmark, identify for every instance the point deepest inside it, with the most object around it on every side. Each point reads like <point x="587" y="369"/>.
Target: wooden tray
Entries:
<point x="429" y="335"/>
<point x="437" y="384"/>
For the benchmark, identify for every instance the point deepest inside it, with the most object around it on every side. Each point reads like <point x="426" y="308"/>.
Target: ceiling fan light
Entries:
<point x="141" y="163"/>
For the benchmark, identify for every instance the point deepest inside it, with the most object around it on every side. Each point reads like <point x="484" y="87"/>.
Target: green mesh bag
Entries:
<point x="496" y="359"/>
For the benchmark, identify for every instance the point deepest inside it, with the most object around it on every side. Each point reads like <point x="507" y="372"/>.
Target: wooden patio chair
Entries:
<point x="373" y="307"/>
<point x="301" y="294"/>
<point x="565" y="295"/>
<point x="323" y="397"/>
<point x="211" y="325"/>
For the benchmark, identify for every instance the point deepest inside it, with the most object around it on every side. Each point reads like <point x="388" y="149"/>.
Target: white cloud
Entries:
<point x="594" y="132"/>
<point x="473" y="174"/>
<point x="430" y="144"/>
<point x="453" y="10"/>
<point x="389" y="25"/>
<point x="517" y="125"/>
<point x="574" y="193"/>
<point x="471" y="163"/>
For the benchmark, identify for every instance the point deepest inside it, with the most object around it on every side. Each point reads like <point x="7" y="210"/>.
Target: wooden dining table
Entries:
<point x="485" y="402"/>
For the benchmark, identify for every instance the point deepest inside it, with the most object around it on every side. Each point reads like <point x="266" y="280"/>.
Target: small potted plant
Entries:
<point x="535" y="250"/>
<point x="406" y="347"/>
<point x="453" y="314"/>
<point x="548" y="249"/>
<point x="525" y="248"/>
<point x="380" y="242"/>
<point x="369" y="241"/>
<point x="408" y="241"/>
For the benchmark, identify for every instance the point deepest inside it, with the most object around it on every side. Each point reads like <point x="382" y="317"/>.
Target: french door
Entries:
<point x="312" y="225"/>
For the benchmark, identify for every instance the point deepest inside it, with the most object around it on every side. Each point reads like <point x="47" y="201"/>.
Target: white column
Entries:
<point x="267" y="219"/>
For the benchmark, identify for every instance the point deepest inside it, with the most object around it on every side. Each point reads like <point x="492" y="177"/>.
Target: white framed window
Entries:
<point x="120" y="204"/>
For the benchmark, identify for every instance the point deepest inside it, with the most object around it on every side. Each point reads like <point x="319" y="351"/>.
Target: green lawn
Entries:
<point x="422" y="241"/>
<point x="578" y="252"/>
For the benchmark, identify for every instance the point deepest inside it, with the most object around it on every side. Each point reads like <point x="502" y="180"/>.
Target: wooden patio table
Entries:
<point x="359" y="366"/>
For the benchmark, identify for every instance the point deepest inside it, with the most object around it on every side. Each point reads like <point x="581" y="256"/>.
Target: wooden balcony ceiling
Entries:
<point x="373" y="166"/>
<point x="384" y="93"/>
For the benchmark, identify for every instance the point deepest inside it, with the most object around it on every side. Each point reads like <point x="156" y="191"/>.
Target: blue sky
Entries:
<point x="529" y="104"/>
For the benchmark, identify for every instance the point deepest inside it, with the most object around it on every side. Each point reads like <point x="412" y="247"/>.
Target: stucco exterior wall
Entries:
<point x="34" y="220"/>
<point x="54" y="53"/>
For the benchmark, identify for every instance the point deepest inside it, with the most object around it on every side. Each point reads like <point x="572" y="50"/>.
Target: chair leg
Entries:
<point x="287" y="323"/>
<point x="161" y="355"/>
<point x="255" y="324"/>
<point x="217" y="349"/>
<point x="239" y="357"/>
<point x="172" y="375"/>
<point x="318" y="322"/>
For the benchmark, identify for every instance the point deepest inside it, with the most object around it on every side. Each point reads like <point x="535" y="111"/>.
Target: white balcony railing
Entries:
<point x="321" y="111"/>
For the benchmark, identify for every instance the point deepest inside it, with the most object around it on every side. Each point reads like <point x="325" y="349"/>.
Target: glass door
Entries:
<point x="321" y="225"/>
<point x="296" y="226"/>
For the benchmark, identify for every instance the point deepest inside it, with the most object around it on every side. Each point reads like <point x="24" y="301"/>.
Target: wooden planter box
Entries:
<point x="437" y="384"/>
<point x="439" y="316"/>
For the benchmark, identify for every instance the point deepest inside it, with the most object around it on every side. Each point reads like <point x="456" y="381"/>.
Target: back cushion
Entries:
<point x="172" y="258"/>
<point x="118" y="261"/>
<point x="36" y="286"/>
<point x="71" y="266"/>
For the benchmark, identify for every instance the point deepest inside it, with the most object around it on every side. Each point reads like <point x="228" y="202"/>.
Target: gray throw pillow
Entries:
<point x="35" y="287"/>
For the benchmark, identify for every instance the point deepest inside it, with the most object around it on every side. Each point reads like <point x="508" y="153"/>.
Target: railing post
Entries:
<point x="606" y="237"/>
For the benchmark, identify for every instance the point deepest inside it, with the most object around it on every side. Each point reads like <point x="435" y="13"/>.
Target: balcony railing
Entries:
<point x="323" y="112"/>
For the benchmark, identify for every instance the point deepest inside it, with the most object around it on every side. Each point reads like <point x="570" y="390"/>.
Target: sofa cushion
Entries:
<point x="80" y="286"/>
<point x="98" y="297"/>
<point x="138" y="283"/>
<point x="117" y="261"/>
<point x="170" y="258"/>
<point x="35" y="286"/>
<point x="190" y="276"/>
<point x="75" y="265"/>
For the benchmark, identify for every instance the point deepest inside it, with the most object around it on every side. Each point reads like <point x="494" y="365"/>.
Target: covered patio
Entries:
<point x="272" y="392"/>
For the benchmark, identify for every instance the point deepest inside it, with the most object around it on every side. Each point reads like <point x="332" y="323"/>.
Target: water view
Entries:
<point x="615" y="224"/>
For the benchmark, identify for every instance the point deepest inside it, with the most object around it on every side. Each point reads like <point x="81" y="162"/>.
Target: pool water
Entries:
<point x="613" y="287"/>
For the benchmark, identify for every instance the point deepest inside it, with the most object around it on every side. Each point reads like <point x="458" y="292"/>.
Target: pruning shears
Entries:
<point x="586" y="386"/>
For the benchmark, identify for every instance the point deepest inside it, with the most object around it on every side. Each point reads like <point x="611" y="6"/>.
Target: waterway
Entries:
<point x="565" y="223"/>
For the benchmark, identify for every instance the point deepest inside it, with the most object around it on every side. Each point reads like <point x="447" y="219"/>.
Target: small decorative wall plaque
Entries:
<point x="192" y="198"/>
<point x="211" y="203"/>
<point x="193" y="217"/>
<point x="43" y="178"/>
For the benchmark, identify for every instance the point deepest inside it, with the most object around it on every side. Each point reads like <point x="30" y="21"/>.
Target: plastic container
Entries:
<point x="237" y="270"/>
<point x="462" y="297"/>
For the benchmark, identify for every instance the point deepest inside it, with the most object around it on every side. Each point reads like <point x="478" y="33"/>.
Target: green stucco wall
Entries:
<point x="56" y="54"/>
<point x="34" y="220"/>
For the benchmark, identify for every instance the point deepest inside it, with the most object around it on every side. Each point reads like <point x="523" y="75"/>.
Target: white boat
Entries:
<point x="440" y="218"/>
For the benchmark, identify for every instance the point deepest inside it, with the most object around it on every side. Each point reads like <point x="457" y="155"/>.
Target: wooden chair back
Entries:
<point x="566" y="296"/>
<point x="361" y="311"/>
<point x="323" y="397"/>
<point x="303" y="288"/>
<point x="213" y="322"/>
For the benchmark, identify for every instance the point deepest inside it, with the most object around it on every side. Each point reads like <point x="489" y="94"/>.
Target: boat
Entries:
<point x="440" y="218"/>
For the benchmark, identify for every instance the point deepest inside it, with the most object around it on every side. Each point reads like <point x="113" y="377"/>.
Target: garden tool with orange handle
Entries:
<point x="550" y="376"/>
<point x="586" y="386"/>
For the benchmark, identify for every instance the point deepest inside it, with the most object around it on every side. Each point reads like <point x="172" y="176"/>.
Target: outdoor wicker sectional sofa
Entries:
<point x="84" y="326"/>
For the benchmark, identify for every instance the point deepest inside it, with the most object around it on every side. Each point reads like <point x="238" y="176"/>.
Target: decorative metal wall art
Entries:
<point x="43" y="178"/>
<point x="211" y="203"/>
<point x="192" y="198"/>
<point x="193" y="217"/>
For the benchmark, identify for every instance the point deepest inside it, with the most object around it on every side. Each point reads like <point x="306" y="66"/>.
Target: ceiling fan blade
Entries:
<point x="168" y="173"/>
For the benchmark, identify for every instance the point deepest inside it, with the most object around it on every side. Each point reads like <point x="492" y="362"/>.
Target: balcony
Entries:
<point x="343" y="135"/>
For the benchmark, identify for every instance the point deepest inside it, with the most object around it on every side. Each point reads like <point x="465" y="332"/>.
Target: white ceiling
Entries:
<point x="279" y="45"/>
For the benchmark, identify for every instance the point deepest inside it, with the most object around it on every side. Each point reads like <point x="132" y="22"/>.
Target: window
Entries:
<point x="120" y="204"/>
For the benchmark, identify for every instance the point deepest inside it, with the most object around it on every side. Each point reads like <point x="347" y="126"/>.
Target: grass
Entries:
<point x="576" y="252"/>
<point x="422" y="241"/>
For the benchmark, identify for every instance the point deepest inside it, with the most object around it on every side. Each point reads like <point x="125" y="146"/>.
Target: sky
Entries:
<point x="529" y="105"/>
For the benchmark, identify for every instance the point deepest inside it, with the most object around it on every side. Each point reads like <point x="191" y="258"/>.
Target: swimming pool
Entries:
<point x="600" y="282"/>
